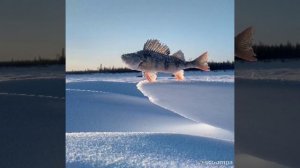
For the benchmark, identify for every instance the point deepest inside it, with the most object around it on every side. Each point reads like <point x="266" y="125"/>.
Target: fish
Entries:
<point x="155" y="57"/>
<point x="243" y="45"/>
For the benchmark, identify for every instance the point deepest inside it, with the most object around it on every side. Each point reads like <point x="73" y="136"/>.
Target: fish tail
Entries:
<point x="201" y="62"/>
<point x="243" y="45"/>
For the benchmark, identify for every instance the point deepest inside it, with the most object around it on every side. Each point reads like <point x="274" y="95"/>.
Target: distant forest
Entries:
<point x="281" y="51"/>
<point x="39" y="61"/>
<point x="213" y="67"/>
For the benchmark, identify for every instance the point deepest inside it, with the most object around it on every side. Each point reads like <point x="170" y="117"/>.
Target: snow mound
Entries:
<point x="203" y="102"/>
<point x="106" y="149"/>
<point x="113" y="106"/>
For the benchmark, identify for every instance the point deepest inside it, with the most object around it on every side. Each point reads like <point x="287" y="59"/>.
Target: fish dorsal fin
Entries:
<point x="243" y="44"/>
<point x="179" y="54"/>
<point x="156" y="46"/>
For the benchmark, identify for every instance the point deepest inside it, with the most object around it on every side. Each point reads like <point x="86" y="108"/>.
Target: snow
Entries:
<point x="220" y="76"/>
<point x="145" y="150"/>
<point x="268" y="108"/>
<point x="202" y="102"/>
<point x="33" y="72"/>
<point x="32" y="117"/>
<point x="249" y="161"/>
<point x="111" y="116"/>
<point x="289" y="70"/>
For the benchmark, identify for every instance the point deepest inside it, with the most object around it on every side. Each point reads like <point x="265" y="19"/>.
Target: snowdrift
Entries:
<point x="117" y="120"/>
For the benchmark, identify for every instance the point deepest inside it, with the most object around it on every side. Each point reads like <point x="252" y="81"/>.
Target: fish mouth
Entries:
<point x="124" y="57"/>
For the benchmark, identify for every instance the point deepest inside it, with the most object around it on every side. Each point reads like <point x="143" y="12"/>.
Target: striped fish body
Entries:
<point x="157" y="62"/>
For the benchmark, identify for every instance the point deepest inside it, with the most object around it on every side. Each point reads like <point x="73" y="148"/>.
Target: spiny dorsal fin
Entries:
<point x="155" y="45"/>
<point x="243" y="45"/>
<point x="179" y="54"/>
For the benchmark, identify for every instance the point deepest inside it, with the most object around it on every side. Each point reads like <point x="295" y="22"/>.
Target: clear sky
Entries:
<point x="274" y="21"/>
<point x="31" y="28"/>
<point x="100" y="31"/>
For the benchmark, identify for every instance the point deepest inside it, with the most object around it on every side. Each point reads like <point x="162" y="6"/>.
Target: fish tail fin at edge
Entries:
<point x="201" y="62"/>
<point x="243" y="45"/>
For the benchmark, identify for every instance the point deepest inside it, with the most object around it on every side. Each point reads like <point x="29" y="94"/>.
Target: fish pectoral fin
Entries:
<point x="179" y="75"/>
<point x="150" y="76"/>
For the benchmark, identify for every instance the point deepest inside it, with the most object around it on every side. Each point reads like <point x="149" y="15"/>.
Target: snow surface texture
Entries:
<point x="144" y="150"/>
<point x="111" y="122"/>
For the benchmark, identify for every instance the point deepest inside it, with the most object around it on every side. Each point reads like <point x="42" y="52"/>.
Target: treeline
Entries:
<point x="281" y="51"/>
<point x="104" y="70"/>
<point x="39" y="61"/>
<point x="216" y="66"/>
<point x="213" y="66"/>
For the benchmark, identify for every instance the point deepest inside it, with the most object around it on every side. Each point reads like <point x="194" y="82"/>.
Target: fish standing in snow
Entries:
<point x="243" y="45"/>
<point x="155" y="57"/>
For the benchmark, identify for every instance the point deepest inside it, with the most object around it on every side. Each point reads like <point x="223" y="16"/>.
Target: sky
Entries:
<point x="274" y="21"/>
<point x="100" y="31"/>
<point x="31" y="28"/>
